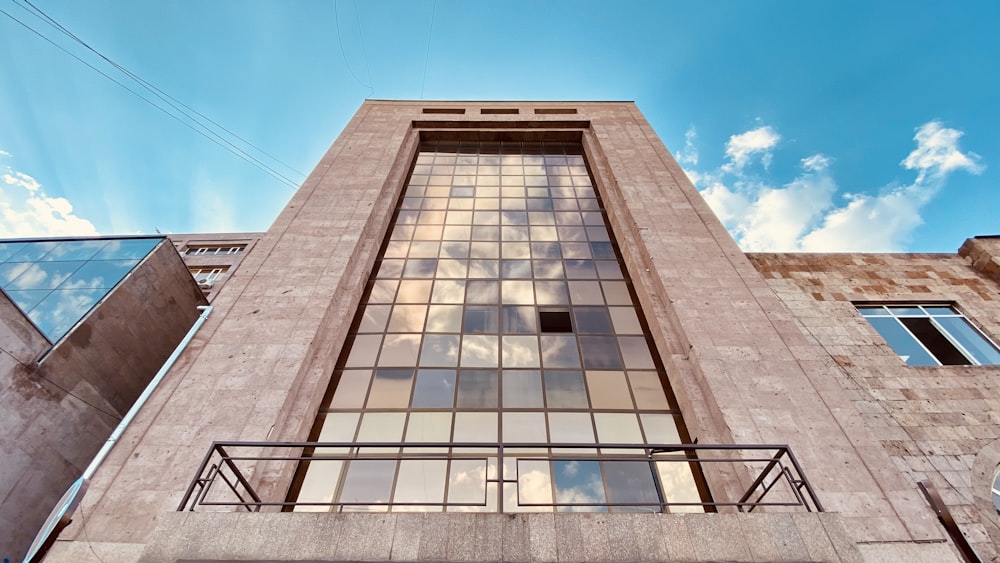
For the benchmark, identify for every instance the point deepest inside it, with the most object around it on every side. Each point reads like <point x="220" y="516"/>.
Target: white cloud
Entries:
<point x="26" y="211"/>
<point x="4" y="153"/>
<point x="816" y="162"/>
<point x="803" y="215"/>
<point x="689" y="154"/>
<point x="937" y="153"/>
<point x="742" y="147"/>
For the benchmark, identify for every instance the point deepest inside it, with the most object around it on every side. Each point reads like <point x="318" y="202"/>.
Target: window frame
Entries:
<point x="887" y="312"/>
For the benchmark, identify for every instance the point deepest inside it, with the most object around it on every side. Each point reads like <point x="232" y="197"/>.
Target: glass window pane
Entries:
<point x="660" y="428"/>
<point x="511" y="269"/>
<point x="391" y="388"/>
<point x="600" y="352"/>
<point x="10" y="271"/>
<point x="448" y="291"/>
<point x="647" y="390"/>
<point x="351" y="389"/>
<point x="591" y="320"/>
<point x="439" y="350"/>
<point x="970" y="339"/>
<point x="902" y="342"/>
<point x="609" y="390"/>
<point x="476" y="427"/>
<point x="559" y="351"/>
<point x="420" y="268"/>
<point x="477" y="389"/>
<point x="519" y="320"/>
<point x="374" y="318"/>
<point x="399" y="350"/>
<point x="534" y="484"/>
<point x="435" y="388"/>
<point x="522" y="388"/>
<point x="571" y="428"/>
<point x="565" y="390"/>
<point x="579" y="486"/>
<point x="678" y="485"/>
<point x="368" y="481"/>
<point x="127" y="249"/>
<point x="56" y="314"/>
<point x="585" y="293"/>
<point x="44" y="275"/>
<point x="407" y="318"/>
<point x="551" y="293"/>
<point x="635" y="351"/>
<point x="26" y="299"/>
<point x="480" y="351"/>
<point x="444" y="318"/>
<point x="428" y="427"/>
<point x="617" y="428"/>
<point x="625" y="320"/>
<point x="482" y="292"/>
<point x="520" y="351"/>
<point x="364" y="350"/>
<point x="382" y="427"/>
<point x="383" y="291"/>
<point x="76" y="250"/>
<point x="467" y="483"/>
<point x="481" y="320"/>
<point x="337" y="427"/>
<point x="631" y="481"/>
<point x="421" y="481"/>
<point x="524" y="427"/>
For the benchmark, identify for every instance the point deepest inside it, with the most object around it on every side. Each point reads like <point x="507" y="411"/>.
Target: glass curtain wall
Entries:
<point x="499" y="314"/>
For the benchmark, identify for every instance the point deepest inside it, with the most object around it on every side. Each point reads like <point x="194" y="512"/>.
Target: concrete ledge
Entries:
<point x="191" y="536"/>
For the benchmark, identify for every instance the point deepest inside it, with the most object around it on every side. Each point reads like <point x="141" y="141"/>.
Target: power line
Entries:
<point x="343" y="53"/>
<point x="364" y="51"/>
<point x="427" y="56"/>
<point x="205" y="131"/>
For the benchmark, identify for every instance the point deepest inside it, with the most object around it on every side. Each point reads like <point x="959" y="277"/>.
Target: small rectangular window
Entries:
<point x="501" y="111"/>
<point x="554" y="320"/>
<point x="458" y="111"/>
<point x="555" y="111"/>
<point x="931" y="335"/>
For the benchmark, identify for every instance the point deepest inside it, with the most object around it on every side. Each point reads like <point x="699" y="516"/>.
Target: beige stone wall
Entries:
<point x="932" y="422"/>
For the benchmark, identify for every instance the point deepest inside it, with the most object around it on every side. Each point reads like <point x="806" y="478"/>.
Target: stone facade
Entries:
<point x="937" y="423"/>
<point x="751" y="356"/>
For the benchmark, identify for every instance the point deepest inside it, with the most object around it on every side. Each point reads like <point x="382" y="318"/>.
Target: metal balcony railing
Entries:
<point x="223" y="480"/>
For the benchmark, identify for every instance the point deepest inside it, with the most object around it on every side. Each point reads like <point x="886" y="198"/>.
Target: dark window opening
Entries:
<point x="445" y="110"/>
<point x="555" y="321"/>
<point x="936" y="343"/>
<point x="555" y="111"/>
<point x="498" y="111"/>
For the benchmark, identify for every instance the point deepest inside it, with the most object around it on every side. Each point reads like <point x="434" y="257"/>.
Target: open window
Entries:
<point x="931" y="335"/>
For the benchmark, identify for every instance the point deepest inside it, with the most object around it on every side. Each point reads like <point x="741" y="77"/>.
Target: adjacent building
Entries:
<point x="515" y="331"/>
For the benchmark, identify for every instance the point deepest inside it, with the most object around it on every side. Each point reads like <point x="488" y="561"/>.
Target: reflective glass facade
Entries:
<point x="499" y="313"/>
<point x="56" y="283"/>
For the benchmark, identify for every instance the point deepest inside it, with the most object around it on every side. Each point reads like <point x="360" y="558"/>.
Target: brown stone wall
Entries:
<point x="932" y="422"/>
<point x="983" y="253"/>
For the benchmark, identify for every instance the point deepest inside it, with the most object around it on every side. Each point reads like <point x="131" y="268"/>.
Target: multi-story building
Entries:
<point x="515" y="331"/>
<point x="212" y="256"/>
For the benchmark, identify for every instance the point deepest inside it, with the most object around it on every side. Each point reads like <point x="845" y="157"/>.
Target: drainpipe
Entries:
<point x="60" y="517"/>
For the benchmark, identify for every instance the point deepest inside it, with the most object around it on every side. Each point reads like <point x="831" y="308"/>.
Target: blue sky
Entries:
<point x="807" y="125"/>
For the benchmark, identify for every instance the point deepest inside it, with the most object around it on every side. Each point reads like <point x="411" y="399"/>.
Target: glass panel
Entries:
<point x="444" y="318"/>
<point x="647" y="390"/>
<point x="44" y="275"/>
<point x="364" y="350"/>
<point x="526" y="427"/>
<point x="467" y="483"/>
<point x="522" y="388"/>
<point x="10" y="271"/>
<point x="439" y="350"/>
<point x="319" y="484"/>
<point x="476" y="427"/>
<point x="578" y="484"/>
<point x="58" y="312"/>
<point x="382" y="427"/>
<point x="482" y="292"/>
<point x="625" y="320"/>
<point x="368" y="481"/>
<point x="129" y="249"/>
<point x="571" y="428"/>
<point x="559" y="351"/>
<point x="448" y="291"/>
<point x="600" y="352"/>
<point x="565" y="390"/>
<point x="585" y="293"/>
<point x="383" y="291"/>
<point x="428" y="427"/>
<point x="413" y="291"/>
<point x="907" y="311"/>
<point x="519" y="320"/>
<point x="9" y="249"/>
<point x="481" y="320"/>
<point x="520" y="352"/>
<point x="421" y="481"/>
<point x="631" y="481"/>
<point x="608" y="390"/>
<point x="435" y="388"/>
<point x="592" y="320"/>
<point x="902" y="342"/>
<point x="351" y="389"/>
<point x="391" y="388"/>
<point x="32" y="251"/>
<point x="26" y="299"/>
<point x="660" y="428"/>
<point x="617" y="428"/>
<point x="480" y="351"/>
<point x="551" y="293"/>
<point x="76" y="250"/>
<point x="407" y="318"/>
<point x="477" y="389"/>
<point x="678" y="485"/>
<point x="635" y="350"/>
<point x="534" y="484"/>
<point x="970" y="339"/>
<point x="399" y="350"/>
<point x="374" y="318"/>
